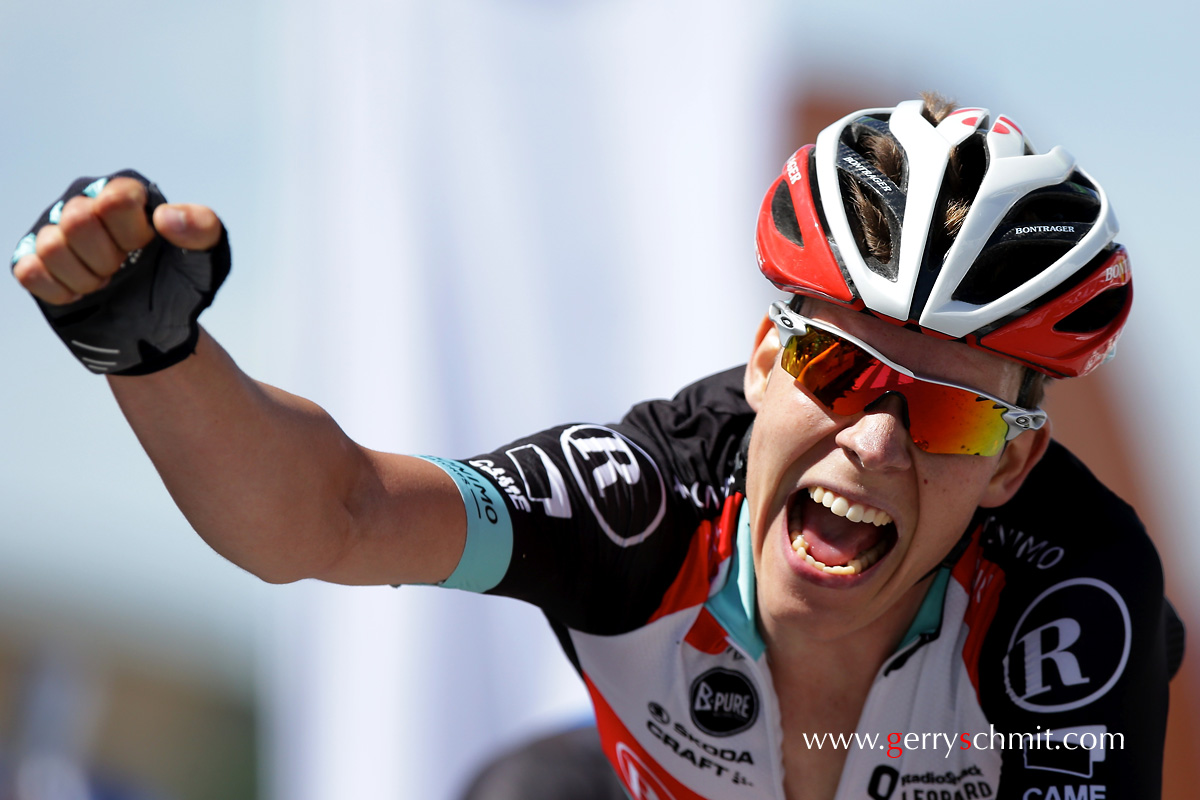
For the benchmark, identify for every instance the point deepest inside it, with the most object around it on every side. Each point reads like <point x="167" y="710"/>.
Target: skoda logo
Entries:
<point x="723" y="702"/>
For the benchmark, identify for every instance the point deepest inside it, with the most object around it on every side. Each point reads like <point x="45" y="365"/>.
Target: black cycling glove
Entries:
<point x="145" y="319"/>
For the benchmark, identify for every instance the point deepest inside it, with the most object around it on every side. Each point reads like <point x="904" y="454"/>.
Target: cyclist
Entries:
<point x="867" y="529"/>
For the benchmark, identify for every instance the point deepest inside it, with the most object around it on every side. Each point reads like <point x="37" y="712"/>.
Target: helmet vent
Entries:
<point x="784" y="214"/>
<point x="1035" y="233"/>
<point x="1004" y="267"/>
<point x="1096" y="313"/>
<point x="875" y="230"/>
<point x="1064" y="202"/>
<point x="873" y="179"/>
<point x="964" y="175"/>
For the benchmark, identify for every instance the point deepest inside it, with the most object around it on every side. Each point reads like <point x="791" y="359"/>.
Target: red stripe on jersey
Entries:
<point x="723" y="542"/>
<point x="643" y="777"/>
<point x="968" y="562"/>
<point x="690" y="587"/>
<point x="707" y="635"/>
<point x="710" y="546"/>
<point x="983" y="581"/>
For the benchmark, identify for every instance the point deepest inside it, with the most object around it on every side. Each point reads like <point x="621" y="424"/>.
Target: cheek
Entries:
<point x="790" y="433"/>
<point x="949" y="496"/>
<point x="793" y="418"/>
<point x="785" y="429"/>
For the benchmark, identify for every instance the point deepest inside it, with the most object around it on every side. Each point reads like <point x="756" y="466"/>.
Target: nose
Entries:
<point x="878" y="439"/>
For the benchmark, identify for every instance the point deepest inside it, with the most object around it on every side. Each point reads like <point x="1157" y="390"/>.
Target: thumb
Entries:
<point x="189" y="226"/>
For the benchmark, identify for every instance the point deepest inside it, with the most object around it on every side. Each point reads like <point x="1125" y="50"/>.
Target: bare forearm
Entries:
<point x="267" y="478"/>
<point x="264" y="477"/>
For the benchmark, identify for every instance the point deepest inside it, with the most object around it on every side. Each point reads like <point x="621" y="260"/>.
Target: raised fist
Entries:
<point x="121" y="275"/>
<point x="91" y="237"/>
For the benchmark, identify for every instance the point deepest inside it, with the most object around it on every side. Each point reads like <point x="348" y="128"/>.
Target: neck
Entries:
<point x="861" y="651"/>
<point x="840" y="667"/>
<point x="822" y="684"/>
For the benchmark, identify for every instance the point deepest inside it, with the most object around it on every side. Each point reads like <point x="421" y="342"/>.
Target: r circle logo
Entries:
<point x="723" y="702"/>
<point x="620" y="482"/>
<point x="1069" y="647"/>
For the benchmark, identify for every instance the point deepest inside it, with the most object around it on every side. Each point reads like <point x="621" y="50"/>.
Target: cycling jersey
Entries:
<point x="1049" y="620"/>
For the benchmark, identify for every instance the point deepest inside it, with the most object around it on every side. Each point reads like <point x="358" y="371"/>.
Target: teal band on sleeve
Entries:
<point x="488" y="551"/>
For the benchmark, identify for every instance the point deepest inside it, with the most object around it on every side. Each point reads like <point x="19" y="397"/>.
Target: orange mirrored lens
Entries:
<point x="846" y="379"/>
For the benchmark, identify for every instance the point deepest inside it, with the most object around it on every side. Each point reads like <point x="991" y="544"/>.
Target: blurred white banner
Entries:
<point x="495" y="217"/>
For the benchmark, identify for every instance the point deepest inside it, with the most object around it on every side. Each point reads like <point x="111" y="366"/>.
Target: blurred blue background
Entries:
<point x="454" y="223"/>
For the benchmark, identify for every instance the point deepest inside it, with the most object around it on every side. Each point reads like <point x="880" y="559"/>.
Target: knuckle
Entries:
<point x="51" y="242"/>
<point x="77" y="215"/>
<point x="120" y="196"/>
<point x="33" y="277"/>
<point x="27" y="271"/>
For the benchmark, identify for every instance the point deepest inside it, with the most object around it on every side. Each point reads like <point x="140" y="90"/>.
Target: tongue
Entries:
<point x="831" y="539"/>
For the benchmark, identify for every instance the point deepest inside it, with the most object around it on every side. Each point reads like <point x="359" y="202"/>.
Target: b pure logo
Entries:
<point x="723" y="702"/>
<point x="1069" y="647"/>
<point x="620" y="482"/>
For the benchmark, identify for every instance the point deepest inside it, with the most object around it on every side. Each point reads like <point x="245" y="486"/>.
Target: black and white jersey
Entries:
<point x="1035" y="669"/>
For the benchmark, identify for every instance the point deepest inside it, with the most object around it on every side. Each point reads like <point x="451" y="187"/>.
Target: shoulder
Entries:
<point x="599" y="519"/>
<point x="696" y="433"/>
<point x="1067" y="545"/>
<point x="1064" y="520"/>
<point x="708" y="406"/>
<point x="1078" y="639"/>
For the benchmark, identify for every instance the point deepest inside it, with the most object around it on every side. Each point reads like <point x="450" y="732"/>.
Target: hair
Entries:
<point x="964" y="174"/>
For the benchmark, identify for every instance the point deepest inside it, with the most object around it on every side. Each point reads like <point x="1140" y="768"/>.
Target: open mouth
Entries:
<point x="836" y="535"/>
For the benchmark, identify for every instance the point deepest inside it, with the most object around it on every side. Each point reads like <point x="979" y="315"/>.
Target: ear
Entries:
<point x="1020" y="456"/>
<point x="761" y="364"/>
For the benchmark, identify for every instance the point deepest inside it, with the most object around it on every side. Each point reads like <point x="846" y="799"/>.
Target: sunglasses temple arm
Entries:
<point x="1020" y="420"/>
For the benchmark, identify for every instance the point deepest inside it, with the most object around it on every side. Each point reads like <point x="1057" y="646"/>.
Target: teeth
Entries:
<point x="856" y="512"/>
<point x="855" y="566"/>
<point x="842" y="507"/>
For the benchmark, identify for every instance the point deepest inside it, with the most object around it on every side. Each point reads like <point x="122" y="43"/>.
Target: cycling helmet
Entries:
<point x="1031" y="274"/>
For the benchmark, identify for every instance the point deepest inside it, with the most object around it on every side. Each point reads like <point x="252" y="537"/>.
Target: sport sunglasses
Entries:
<point x="846" y="375"/>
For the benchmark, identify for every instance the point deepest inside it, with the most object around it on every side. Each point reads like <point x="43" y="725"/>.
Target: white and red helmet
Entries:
<point x="1033" y="273"/>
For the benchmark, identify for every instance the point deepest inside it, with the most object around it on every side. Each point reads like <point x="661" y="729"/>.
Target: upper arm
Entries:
<point x="584" y="521"/>
<point x="1078" y="650"/>
<point x="557" y="519"/>
<point x="1093" y="682"/>
<point x="407" y="524"/>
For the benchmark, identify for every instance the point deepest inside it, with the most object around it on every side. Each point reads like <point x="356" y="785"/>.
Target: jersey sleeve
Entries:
<point x="591" y="522"/>
<point x="1076" y="660"/>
